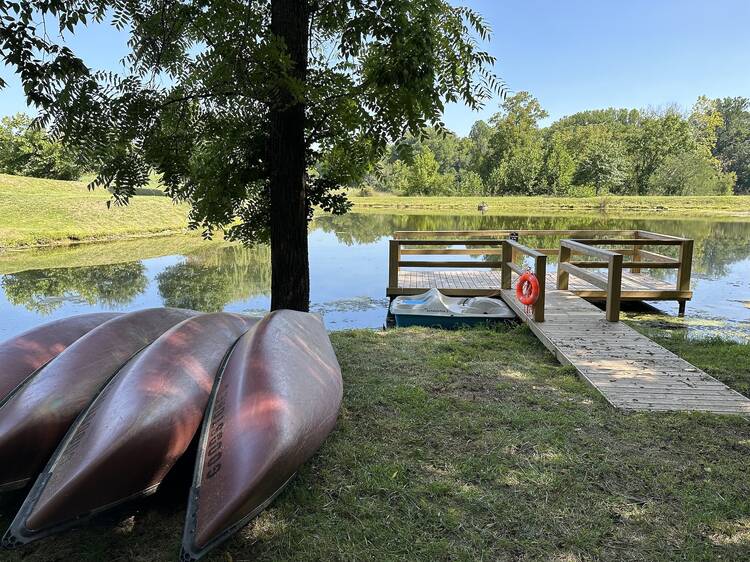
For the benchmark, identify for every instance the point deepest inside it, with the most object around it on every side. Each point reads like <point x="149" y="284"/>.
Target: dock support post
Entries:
<point x="540" y="270"/>
<point x="505" y="272"/>
<point x="394" y="256"/>
<point x="614" y="287"/>
<point x="563" y="276"/>
<point x="686" y="265"/>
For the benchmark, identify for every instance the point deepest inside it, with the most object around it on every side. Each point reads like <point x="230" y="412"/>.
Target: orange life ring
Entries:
<point x="527" y="289"/>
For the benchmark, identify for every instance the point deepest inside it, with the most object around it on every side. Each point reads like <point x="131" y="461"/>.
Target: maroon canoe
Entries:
<point x="274" y="404"/>
<point x="144" y="419"/>
<point x="35" y="417"/>
<point x="23" y="355"/>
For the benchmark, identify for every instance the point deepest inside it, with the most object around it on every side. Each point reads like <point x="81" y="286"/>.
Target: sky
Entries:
<point x="572" y="55"/>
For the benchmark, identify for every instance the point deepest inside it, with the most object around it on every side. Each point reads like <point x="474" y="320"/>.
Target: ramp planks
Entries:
<point x="631" y="371"/>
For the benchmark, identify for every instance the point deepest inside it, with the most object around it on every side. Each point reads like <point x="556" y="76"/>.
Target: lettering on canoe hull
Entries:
<point x="215" y="444"/>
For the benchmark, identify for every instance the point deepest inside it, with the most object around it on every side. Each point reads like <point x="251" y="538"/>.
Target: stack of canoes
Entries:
<point x="96" y="409"/>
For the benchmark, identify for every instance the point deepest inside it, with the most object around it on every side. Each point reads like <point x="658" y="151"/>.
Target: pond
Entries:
<point x="348" y="261"/>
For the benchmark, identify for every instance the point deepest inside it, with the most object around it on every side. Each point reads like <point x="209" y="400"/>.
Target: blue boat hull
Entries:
<point x="445" y="322"/>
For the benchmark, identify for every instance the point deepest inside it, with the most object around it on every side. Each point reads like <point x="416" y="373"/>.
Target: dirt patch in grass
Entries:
<point x="476" y="445"/>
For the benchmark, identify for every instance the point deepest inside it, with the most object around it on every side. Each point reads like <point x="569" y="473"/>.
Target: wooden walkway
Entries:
<point x="631" y="371"/>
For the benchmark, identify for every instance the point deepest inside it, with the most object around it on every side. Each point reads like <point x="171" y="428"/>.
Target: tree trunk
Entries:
<point x="290" y="271"/>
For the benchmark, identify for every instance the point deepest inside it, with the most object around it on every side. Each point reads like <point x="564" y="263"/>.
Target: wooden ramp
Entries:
<point x="631" y="371"/>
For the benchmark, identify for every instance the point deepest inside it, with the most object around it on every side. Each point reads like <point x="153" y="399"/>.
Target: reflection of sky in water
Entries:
<point x="348" y="261"/>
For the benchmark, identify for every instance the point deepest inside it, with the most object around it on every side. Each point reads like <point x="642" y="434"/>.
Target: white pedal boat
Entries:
<point x="435" y="309"/>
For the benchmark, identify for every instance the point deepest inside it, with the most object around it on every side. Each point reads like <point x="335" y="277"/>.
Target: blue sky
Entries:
<point x="571" y="54"/>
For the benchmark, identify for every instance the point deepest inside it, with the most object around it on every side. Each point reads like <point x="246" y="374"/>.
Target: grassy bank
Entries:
<point x="116" y="251"/>
<point x="621" y="206"/>
<point x="478" y="445"/>
<point x="36" y="212"/>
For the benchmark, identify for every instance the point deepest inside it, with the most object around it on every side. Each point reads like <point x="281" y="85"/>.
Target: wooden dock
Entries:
<point x="631" y="371"/>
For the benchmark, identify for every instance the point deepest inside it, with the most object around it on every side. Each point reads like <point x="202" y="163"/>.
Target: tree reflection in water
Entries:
<point x="209" y="280"/>
<point x="718" y="243"/>
<point x="45" y="290"/>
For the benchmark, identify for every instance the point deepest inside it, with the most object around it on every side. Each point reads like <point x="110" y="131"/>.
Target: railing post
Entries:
<point x="394" y="256"/>
<point x="540" y="270"/>
<point x="683" y="272"/>
<point x="505" y="272"/>
<point x="563" y="276"/>
<point x="686" y="265"/>
<point x="614" y="287"/>
<point x="636" y="253"/>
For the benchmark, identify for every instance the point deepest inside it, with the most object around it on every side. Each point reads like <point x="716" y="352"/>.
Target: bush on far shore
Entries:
<point x="26" y="150"/>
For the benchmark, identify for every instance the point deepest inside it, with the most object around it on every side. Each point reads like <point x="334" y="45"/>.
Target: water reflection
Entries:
<point x="210" y="280"/>
<point x="46" y="290"/>
<point x="348" y="257"/>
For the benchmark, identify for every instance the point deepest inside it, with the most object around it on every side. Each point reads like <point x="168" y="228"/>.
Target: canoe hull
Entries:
<point x="36" y="416"/>
<point x="273" y="405"/>
<point x="23" y="355"/>
<point x="171" y="381"/>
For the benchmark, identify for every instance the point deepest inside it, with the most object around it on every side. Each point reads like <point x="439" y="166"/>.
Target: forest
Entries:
<point x="663" y="151"/>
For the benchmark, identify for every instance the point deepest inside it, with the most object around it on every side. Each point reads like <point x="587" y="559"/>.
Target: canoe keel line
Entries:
<point x="270" y="389"/>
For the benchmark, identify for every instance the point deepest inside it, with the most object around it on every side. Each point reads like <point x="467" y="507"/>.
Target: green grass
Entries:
<point x="36" y="212"/>
<point x="478" y="445"/>
<point x="621" y="206"/>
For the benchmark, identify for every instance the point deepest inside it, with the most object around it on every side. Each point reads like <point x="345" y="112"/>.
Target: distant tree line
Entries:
<point x="705" y="151"/>
<point x="26" y="150"/>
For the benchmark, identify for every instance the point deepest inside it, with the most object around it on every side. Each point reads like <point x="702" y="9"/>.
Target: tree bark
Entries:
<point x="290" y="270"/>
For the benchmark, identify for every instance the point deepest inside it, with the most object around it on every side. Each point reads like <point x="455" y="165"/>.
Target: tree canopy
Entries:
<point x="232" y="101"/>
<point x="704" y="151"/>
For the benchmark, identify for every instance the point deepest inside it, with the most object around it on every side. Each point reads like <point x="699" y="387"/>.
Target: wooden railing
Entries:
<point x="612" y="284"/>
<point x="641" y="259"/>
<point x="504" y="249"/>
<point x="502" y="234"/>
<point x="504" y="245"/>
<point x="540" y="270"/>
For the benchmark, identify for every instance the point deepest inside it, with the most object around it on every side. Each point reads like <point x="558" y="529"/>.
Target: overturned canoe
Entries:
<point x="35" y="417"/>
<point x="26" y="353"/>
<point x="144" y="419"/>
<point x="273" y="405"/>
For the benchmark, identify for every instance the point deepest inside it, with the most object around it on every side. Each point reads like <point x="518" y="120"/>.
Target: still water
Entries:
<point x="348" y="262"/>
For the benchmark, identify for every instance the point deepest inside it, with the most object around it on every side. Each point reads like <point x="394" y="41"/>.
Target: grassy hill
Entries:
<point x="36" y="211"/>
<point x="616" y="205"/>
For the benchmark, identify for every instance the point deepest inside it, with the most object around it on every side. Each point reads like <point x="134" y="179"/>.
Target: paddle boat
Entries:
<point x="434" y="309"/>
